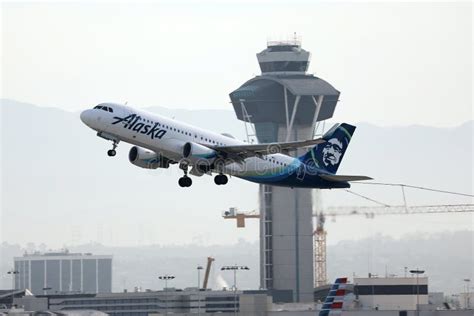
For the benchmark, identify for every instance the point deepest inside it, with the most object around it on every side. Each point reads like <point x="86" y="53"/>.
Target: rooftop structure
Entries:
<point x="391" y="293"/>
<point x="170" y="301"/>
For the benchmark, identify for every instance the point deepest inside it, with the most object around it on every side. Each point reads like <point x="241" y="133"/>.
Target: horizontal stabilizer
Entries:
<point x="341" y="178"/>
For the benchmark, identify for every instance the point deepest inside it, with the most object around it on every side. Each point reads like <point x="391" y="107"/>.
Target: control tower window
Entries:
<point x="274" y="66"/>
<point x="282" y="48"/>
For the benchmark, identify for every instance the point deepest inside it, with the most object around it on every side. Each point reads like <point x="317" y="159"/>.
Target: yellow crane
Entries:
<point x="319" y="252"/>
<point x="319" y="234"/>
<point x="233" y="213"/>
<point x="319" y="238"/>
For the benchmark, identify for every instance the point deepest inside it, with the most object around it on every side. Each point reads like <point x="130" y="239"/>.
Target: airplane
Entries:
<point x="159" y="141"/>
<point x="332" y="305"/>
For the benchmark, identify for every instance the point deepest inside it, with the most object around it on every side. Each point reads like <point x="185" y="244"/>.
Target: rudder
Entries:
<point x="328" y="155"/>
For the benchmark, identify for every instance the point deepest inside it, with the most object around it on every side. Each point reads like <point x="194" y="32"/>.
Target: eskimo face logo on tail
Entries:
<point x="332" y="152"/>
<point x="131" y="122"/>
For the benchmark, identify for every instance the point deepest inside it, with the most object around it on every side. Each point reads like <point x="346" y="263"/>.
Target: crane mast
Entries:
<point x="319" y="234"/>
<point x="208" y="271"/>
<point x="319" y="244"/>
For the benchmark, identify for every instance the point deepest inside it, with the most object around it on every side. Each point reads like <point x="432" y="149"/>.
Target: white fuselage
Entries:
<point x="167" y="137"/>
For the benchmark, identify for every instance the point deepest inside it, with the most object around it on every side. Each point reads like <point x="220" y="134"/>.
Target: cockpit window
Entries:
<point x="104" y="108"/>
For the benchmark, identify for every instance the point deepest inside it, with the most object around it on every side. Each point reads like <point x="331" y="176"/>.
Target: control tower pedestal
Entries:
<point x="284" y="103"/>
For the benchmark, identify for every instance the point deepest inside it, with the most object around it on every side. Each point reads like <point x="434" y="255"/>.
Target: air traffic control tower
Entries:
<point x="284" y="103"/>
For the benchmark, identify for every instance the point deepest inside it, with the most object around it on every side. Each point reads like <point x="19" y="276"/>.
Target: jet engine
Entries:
<point x="147" y="159"/>
<point x="199" y="154"/>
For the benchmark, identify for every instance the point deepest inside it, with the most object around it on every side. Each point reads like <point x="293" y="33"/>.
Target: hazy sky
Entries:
<point x="395" y="63"/>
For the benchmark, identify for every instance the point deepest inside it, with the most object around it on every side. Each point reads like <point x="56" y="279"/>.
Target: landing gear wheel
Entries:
<point x="112" y="151"/>
<point x="220" y="179"/>
<point x="185" y="182"/>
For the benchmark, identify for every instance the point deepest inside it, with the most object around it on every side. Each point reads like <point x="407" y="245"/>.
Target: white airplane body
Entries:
<point x="160" y="141"/>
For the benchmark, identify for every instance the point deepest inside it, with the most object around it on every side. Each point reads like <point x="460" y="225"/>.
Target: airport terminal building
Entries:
<point x="63" y="272"/>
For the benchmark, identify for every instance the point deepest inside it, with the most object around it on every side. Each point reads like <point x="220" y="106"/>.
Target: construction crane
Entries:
<point x="319" y="236"/>
<point x="208" y="271"/>
<point x="319" y="244"/>
<point x="233" y="213"/>
<point x="372" y="211"/>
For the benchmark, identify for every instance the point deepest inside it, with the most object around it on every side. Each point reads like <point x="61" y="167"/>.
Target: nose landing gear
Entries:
<point x="112" y="151"/>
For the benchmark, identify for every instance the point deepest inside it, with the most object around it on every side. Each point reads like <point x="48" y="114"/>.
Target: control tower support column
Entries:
<point x="284" y="104"/>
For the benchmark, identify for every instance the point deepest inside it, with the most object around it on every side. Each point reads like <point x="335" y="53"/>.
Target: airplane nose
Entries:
<point x="86" y="117"/>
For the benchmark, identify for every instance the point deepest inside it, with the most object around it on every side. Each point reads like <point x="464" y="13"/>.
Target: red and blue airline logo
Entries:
<point x="335" y="299"/>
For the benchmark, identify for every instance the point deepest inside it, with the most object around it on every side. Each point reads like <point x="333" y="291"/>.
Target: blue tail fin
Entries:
<point x="335" y="299"/>
<point x="328" y="155"/>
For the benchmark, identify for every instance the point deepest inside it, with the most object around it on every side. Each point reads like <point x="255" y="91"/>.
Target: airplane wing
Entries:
<point x="245" y="151"/>
<point x="342" y="178"/>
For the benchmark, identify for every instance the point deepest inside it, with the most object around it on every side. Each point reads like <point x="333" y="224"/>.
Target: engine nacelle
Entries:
<point x="198" y="153"/>
<point x="147" y="159"/>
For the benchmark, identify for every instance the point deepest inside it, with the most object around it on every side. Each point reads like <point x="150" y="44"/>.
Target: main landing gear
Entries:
<point x="112" y="151"/>
<point x="220" y="179"/>
<point x="184" y="181"/>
